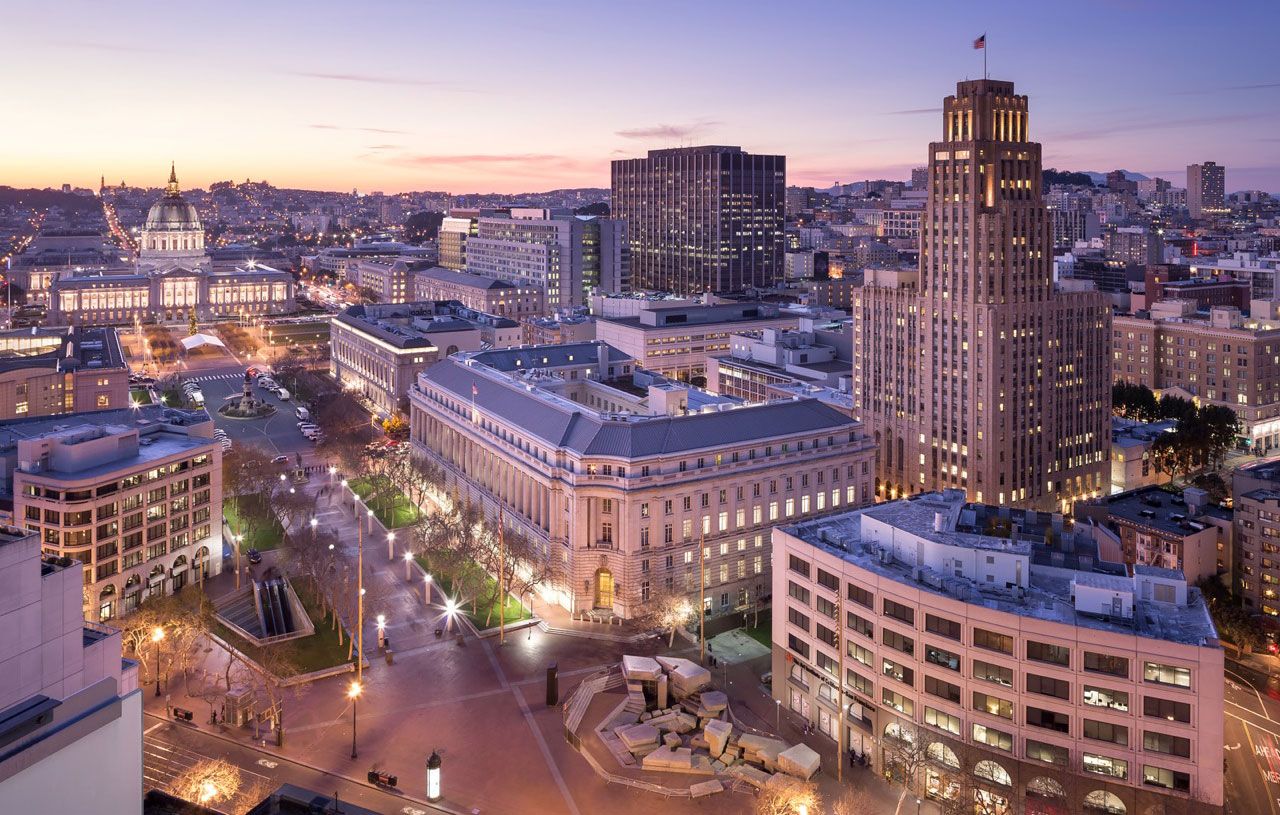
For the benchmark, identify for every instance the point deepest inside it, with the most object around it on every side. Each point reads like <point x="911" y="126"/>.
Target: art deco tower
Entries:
<point x="976" y="371"/>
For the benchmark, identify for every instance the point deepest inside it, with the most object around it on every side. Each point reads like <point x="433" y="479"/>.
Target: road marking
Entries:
<point x="271" y="765"/>
<point x="1261" y="704"/>
<point x="413" y="811"/>
<point x="1251" y="712"/>
<point x="153" y="727"/>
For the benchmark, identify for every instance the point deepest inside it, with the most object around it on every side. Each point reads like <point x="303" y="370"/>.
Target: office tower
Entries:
<point x="919" y="178"/>
<point x="974" y="372"/>
<point x="702" y="218"/>
<point x="1205" y="189"/>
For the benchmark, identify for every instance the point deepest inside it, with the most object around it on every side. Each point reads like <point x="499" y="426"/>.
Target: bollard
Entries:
<point x="553" y="684"/>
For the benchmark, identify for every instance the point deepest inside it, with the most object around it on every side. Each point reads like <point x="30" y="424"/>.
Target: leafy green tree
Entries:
<point x="1175" y="407"/>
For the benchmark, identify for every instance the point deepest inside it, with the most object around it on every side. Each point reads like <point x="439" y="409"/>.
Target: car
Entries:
<point x="255" y="557"/>
<point x="307" y="426"/>
<point x="303" y="414"/>
<point x="283" y="394"/>
<point x="280" y="460"/>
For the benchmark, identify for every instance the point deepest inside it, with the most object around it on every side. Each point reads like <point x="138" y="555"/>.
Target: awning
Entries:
<point x="177" y="570"/>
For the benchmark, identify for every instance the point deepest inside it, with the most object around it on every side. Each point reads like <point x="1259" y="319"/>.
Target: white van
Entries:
<point x="283" y="394"/>
<point x="303" y="414"/>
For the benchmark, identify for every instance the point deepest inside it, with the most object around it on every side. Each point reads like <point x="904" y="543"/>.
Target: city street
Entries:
<point x="1252" y="741"/>
<point x="277" y="434"/>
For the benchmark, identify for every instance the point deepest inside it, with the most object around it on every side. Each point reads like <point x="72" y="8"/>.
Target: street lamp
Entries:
<point x="450" y="609"/>
<point x="777" y="719"/>
<point x="314" y="523"/>
<point x="353" y="693"/>
<point x="391" y="543"/>
<point x="426" y="589"/>
<point x="433" y="777"/>
<point x="156" y="636"/>
<point x="382" y="630"/>
<point x="408" y="561"/>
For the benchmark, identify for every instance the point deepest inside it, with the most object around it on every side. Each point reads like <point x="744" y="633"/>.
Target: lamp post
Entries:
<point x="391" y="546"/>
<point x="314" y="523"/>
<point x="777" y="718"/>
<point x="450" y="609"/>
<point x="353" y="693"/>
<point x="408" y="565"/>
<point x="236" y="540"/>
<point x="382" y="630"/>
<point x="426" y="589"/>
<point x="157" y="636"/>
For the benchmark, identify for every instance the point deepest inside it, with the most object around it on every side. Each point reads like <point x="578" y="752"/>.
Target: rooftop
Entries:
<point x="473" y="281"/>
<point x="1049" y="593"/>
<point x="1159" y="509"/>
<point x="62" y="349"/>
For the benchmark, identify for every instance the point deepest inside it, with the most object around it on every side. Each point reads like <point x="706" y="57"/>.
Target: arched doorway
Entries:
<point x="990" y="802"/>
<point x="1045" y="796"/>
<point x="179" y="572"/>
<point x="155" y="582"/>
<point x="106" y="603"/>
<point x="1107" y="803"/>
<point x="603" y="589"/>
<point x="132" y="594"/>
<point x="940" y="779"/>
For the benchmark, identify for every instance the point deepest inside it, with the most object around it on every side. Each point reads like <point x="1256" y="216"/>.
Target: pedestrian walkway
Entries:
<point x="214" y="377"/>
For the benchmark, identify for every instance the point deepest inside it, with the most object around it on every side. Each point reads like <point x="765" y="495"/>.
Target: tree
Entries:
<point x="784" y="795"/>
<point x="192" y="328"/>
<point x="208" y="782"/>
<point x="1133" y="401"/>
<point x="667" y="611"/>
<point x="905" y="751"/>
<point x="422" y="226"/>
<point x="1175" y="407"/>
<point x="1221" y="428"/>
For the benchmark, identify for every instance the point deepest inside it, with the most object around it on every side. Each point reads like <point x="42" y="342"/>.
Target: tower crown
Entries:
<point x="172" y="190"/>
<point x="984" y="110"/>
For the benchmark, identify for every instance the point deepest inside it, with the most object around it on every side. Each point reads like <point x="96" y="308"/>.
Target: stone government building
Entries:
<point x="172" y="278"/>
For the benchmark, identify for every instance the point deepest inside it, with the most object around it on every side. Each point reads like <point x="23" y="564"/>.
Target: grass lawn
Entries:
<point x="314" y="653"/>
<point x="394" y="513"/>
<point x="513" y="612"/>
<point x="264" y="533"/>
<point x="763" y="633"/>
<point x="140" y="396"/>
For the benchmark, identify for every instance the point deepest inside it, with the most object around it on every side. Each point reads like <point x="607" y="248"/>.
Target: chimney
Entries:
<point x="939" y="521"/>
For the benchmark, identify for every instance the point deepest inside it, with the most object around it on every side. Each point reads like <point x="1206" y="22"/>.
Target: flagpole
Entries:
<point x="984" y="55"/>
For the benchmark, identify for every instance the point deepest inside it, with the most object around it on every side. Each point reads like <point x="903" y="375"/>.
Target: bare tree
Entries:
<point x="667" y="611"/>
<point x="905" y="752"/>
<point x="784" y="795"/>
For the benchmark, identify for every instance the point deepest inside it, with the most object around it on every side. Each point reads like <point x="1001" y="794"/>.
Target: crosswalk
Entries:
<point x="214" y="377"/>
<point x="164" y="761"/>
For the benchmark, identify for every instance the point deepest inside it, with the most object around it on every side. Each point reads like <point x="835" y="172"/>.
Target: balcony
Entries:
<point x="601" y="544"/>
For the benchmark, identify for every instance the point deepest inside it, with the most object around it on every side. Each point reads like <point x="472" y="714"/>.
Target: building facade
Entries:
<point x="1255" y="493"/>
<point x="1206" y="189"/>
<point x="993" y="646"/>
<point x="631" y="484"/>
<point x="134" y="495"/>
<point x="978" y="373"/>
<point x="483" y="294"/>
<point x="71" y="705"/>
<point x="702" y="219"/>
<point x="44" y="372"/>
<point x="172" y="232"/>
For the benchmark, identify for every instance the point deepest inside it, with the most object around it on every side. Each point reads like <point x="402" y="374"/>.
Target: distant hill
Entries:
<point x="1101" y="178"/>
<point x="1052" y="176"/>
<point x="43" y="199"/>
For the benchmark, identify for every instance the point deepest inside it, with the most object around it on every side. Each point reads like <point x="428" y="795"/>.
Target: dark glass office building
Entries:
<point x="702" y="218"/>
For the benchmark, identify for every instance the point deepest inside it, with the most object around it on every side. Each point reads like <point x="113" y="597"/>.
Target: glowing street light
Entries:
<point x="353" y="693"/>
<point x="426" y="589"/>
<point x="408" y="564"/>
<point x="157" y="636"/>
<point x="433" y="776"/>
<point x="391" y="544"/>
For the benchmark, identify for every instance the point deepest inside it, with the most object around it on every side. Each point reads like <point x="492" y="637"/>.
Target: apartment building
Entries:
<point x="484" y="294"/>
<point x="1206" y="189"/>
<point x="134" y="495"/>
<point x="997" y="645"/>
<point x="71" y="707"/>
<point x="1255" y="493"/>
<point x="1220" y="358"/>
<point x="678" y="341"/>
<point x="1132" y="464"/>
<point x="45" y="371"/>
<point x="379" y="350"/>
<point x="631" y="484"/>
<point x="389" y="280"/>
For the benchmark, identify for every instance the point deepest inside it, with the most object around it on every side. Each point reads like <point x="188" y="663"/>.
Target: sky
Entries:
<point x="541" y="94"/>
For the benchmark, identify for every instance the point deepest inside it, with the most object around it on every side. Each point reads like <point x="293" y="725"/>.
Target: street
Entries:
<point x="1252" y="741"/>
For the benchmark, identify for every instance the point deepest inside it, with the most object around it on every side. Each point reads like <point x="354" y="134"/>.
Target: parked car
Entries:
<point x="255" y="557"/>
<point x="283" y="394"/>
<point x="303" y="414"/>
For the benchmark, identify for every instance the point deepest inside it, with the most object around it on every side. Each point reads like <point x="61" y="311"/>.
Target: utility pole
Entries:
<point x="359" y="613"/>
<point x="702" y="596"/>
<point x="502" y="575"/>
<point x="840" y="757"/>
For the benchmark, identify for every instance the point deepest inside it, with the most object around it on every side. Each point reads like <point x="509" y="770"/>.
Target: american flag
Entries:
<point x="474" y="390"/>
<point x="980" y="43"/>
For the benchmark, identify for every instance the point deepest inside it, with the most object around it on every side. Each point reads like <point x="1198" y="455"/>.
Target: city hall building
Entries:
<point x="619" y="474"/>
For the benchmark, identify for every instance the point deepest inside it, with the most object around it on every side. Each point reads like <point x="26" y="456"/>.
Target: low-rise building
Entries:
<point x="629" y="483"/>
<point x="817" y="353"/>
<point x="134" y="495"/>
<point x="484" y="294"/>
<point x="70" y="705"/>
<point x="558" y="329"/>
<point x="995" y="646"/>
<point x="1159" y="528"/>
<point x="1132" y="465"/>
<point x="45" y="371"/>
<point x="379" y="350"/>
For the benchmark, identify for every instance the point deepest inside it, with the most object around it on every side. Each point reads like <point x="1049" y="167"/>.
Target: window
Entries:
<point x="797" y="619"/>
<point x="1048" y="753"/>
<point x="860" y="625"/>
<point x="992" y="641"/>
<point x="861" y="596"/>
<point x="1102" y="765"/>
<point x="828" y="580"/>
<point x="942" y="627"/>
<point x="1045" y="686"/>
<point x="825" y="634"/>
<point x="1106" y="731"/>
<point x="1165" y="743"/>
<point x="897" y="701"/>
<point x="795" y="590"/>
<point x="798" y="645"/>
<point x="941" y="689"/>
<point x="1167" y="674"/>
<point x="901" y="673"/>
<point x="993" y="738"/>
<point x="993" y="705"/>
<point x="863" y="655"/>
<point x="899" y="612"/>
<point x="1038" y="717"/>
<point x="945" y="659"/>
<point x="829" y="665"/>
<point x="824" y="606"/>
<point x="1169" y="779"/>
<point x="942" y="721"/>
<point x="993" y="673"/>
<point x="859" y="683"/>
<point x="898" y="642"/>
<point x="1168" y="709"/>
<point x="1044" y="652"/>
<point x="798" y="566"/>
<point x="1105" y="697"/>
<point x="1106" y="664"/>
